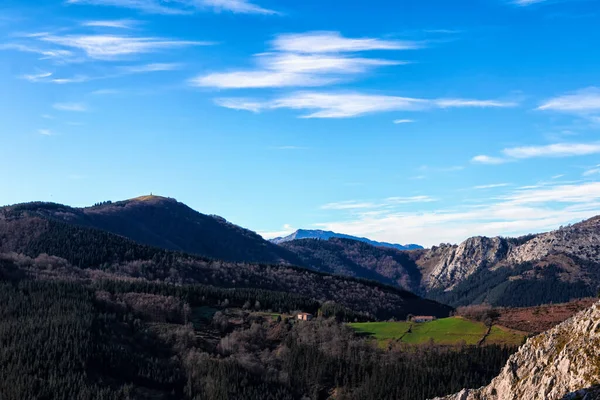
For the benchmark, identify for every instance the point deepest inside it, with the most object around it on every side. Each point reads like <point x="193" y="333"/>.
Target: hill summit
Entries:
<point x="166" y="223"/>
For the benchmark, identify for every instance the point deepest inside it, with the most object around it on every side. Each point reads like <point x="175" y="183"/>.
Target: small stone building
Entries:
<point x="303" y="316"/>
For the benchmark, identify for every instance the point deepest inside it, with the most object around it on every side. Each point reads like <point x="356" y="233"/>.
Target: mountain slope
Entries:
<point x="165" y="223"/>
<point x="570" y="248"/>
<point x="358" y="259"/>
<point x="326" y="235"/>
<point x="551" y="267"/>
<point x="89" y="252"/>
<point x="554" y="365"/>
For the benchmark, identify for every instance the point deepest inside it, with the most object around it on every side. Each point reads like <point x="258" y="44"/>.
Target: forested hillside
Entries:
<point x="103" y="338"/>
<point x="165" y="223"/>
<point x="553" y="267"/>
<point x="353" y="258"/>
<point x="91" y="249"/>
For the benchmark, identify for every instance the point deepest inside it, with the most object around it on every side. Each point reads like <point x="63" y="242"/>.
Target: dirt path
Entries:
<point x="487" y="333"/>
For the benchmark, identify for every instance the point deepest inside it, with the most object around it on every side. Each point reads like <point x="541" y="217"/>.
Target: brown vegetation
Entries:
<point x="541" y="318"/>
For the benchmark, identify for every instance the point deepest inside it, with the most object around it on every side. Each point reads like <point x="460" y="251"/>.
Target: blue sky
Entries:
<point x="409" y="121"/>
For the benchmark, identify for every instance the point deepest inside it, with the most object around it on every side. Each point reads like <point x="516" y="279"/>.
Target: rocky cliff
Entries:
<point x="562" y="363"/>
<point x="448" y="265"/>
<point x="445" y="266"/>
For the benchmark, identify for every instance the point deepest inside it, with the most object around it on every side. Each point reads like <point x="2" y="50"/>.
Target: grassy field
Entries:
<point x="446" y="331"/>
<point x="503" y="335"/>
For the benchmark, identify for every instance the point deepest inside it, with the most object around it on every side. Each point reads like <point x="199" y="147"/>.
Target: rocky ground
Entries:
<point x="562" y="363"/>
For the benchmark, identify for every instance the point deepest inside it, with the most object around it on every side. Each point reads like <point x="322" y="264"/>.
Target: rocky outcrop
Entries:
<point x="456" y="263"/>
<point x="444" y="266"/>
<point x="563" y="363"/>
<point x="580" y="240"/>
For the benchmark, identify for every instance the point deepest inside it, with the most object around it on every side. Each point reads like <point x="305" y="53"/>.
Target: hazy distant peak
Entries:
<point x="326" y="235"/>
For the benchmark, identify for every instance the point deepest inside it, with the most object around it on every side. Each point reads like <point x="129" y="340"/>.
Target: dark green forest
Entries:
<point x="139" y="340"/>
<point x="500" y="288"/>
<point x="83" y="250"/>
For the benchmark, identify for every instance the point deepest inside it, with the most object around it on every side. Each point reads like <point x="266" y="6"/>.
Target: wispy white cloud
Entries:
<point x="259" y="79"/>
<point x="37" y="77"/>
<point x="592" y="171"/>
<point x="236" y="6"/>
<point x="73" y="79"/>
<point x="483" y="159"/>
<point x="347" y="205"/>
<point x="389" y="202"/>
<point x="76" y="107"/>
<point x="54" y="54"/>
<point x="517" y="212"/>
<point x="528" y="2"/>
<point x="118" y="72"/>
<point x="334" y="42"/>
<point x="407" y="200"/>
<point x="322" y="63"/>
<point x="115" y="23"/>
<point x="148" y="6"/>
<point x="346" y="104"/>
<point x="582" y="101"/>
<point x="240" y="103"/>
<point x="553" y="150"/>
<point x="404" y="121"/>
<point x="340" y="105"/>
<point x="45" y="132"/>
<point x="575" y="193"/>
<point x="182" y="6"/>
<point x="491" y="186"/>
<point x="155" y="67"/>
<point x="459" y="103"/>
<point x="289" y="64"/>
<point x="549" y="150"/>
<point x="108" y="47"/>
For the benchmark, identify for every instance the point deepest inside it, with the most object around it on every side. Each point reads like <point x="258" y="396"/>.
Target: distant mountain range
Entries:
<point x="326" y="235"/>
<point x="535" y="269"/>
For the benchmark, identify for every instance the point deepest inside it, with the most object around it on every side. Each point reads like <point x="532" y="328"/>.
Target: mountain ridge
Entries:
<point x="326" y="235"/>
<point x="554" y="266"/>
<point x="166" y="223"/>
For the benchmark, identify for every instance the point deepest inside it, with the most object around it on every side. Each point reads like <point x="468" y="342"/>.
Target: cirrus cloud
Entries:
<point x="349" y="104"/>
<point x="304" y="60"/>
<point x="181" y="6"/>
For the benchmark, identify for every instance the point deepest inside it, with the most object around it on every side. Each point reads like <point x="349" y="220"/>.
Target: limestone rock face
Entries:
<point x="580" y="240"/>
<point x="456" y="263"/>
<point x="562" y="363"/>
<point x="444" y="266"/>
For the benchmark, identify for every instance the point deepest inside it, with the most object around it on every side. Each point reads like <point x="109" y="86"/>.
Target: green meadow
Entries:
<point x="447" y="331"/>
